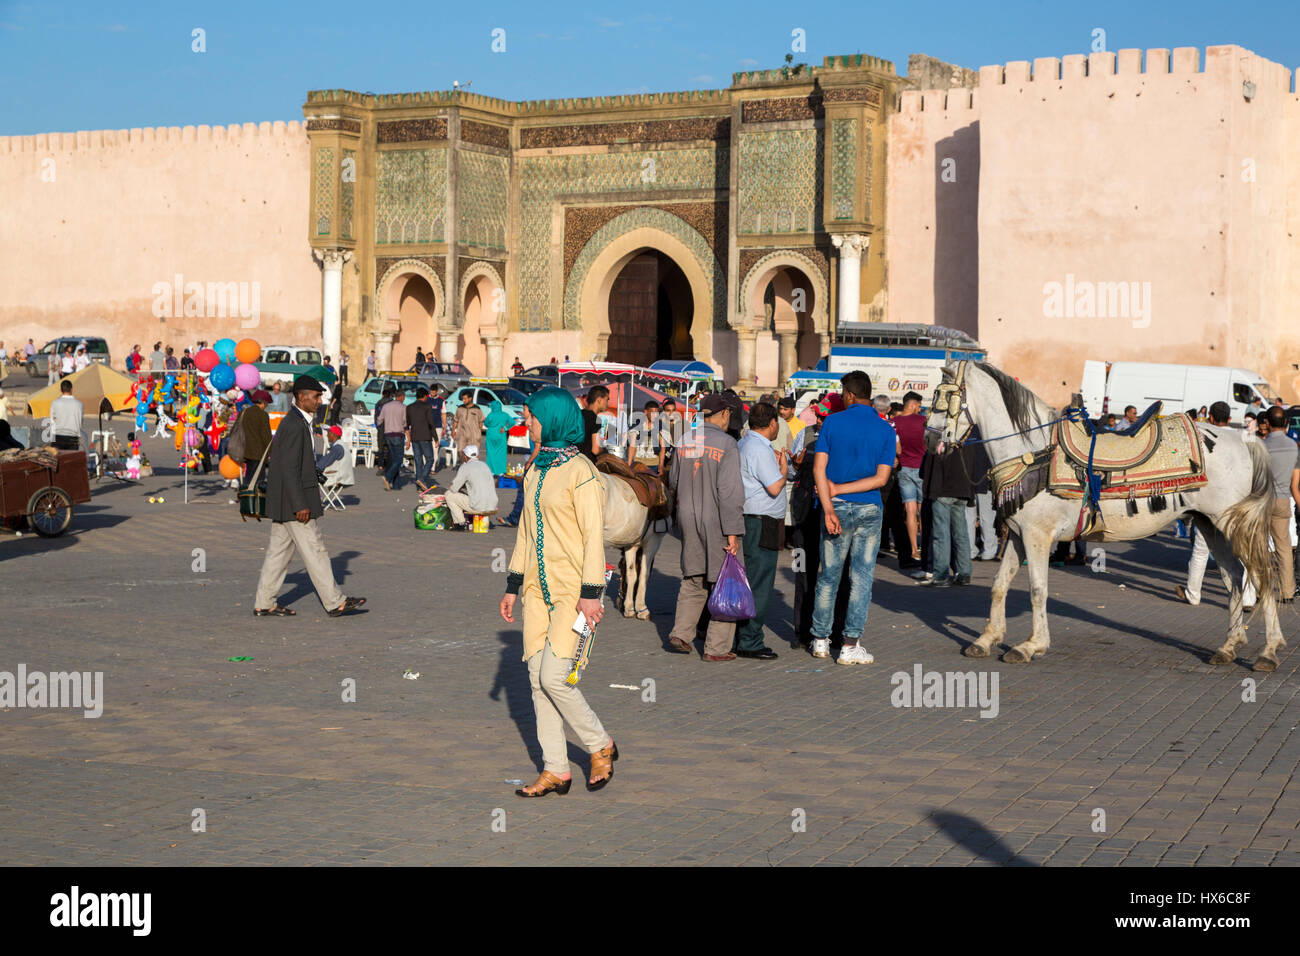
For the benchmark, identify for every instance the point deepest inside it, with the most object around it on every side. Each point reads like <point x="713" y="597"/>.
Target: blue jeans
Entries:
<point x="518" y="509"/>
<point x="423" y="452"/>
<point x="860" y="537"/>
<point x="909" y="484"/>
<point x="396" y="450"/>
<point x="949" y="533"/>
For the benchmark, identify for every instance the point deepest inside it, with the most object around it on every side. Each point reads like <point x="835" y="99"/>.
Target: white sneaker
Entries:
<point x="855" y="655"/>
<point x="821" y="647"/>
<point x="922" y="576"/>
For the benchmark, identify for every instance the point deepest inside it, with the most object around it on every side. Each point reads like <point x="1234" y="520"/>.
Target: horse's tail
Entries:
<point x="1245" y="524"/>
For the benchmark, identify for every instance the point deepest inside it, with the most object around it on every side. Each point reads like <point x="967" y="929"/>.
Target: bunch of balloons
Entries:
<point x="230" y="364"/>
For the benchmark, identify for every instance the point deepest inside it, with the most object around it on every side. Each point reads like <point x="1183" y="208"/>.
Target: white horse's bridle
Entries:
<point x="951" y="398"/>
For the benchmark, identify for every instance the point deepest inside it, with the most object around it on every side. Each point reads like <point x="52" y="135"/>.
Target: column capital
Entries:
<point x="332" y="259"/>
<point x="851" y="245"/>
<point x="383" y="336"/>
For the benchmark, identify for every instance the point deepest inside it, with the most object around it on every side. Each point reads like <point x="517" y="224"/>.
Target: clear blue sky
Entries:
<point x="70" y="66"/>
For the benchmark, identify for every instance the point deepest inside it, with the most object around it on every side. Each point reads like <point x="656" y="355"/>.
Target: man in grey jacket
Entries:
<point x="706" y="479"/>
<point x="480" y="494"/>
<point x="293" y="504"/>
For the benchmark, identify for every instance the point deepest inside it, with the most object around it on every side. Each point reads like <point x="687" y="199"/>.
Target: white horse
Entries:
<point x="629" y="528"/>
<point x="1231" y="509"/>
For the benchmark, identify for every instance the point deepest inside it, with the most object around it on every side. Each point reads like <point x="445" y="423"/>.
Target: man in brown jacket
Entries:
<point x="705" y="476"/>
<point x="256" y="426"/>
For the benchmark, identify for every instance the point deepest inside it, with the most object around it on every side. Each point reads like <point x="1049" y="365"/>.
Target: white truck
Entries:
<point x="899" y="357"/>
<point x="1110" y="386"/>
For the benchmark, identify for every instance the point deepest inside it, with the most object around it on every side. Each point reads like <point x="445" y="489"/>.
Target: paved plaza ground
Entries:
<point x="1122" y="716"/>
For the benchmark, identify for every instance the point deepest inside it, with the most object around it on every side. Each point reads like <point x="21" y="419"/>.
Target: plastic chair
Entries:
<point x="363" y="442"/>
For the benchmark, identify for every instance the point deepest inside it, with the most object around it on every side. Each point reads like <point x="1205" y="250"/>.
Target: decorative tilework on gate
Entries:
<point x="643" y="217"/>
<point x="483" y="200"/>
<point x="323" y="204"/>
<point x="437" y="263"/>
<point x="781" y="109"/>
<point x="485" y="134"/>
<point x="545" y="179"/>
<point x="853" y="94"/>
<point x="410" y="195"/>
<point x="348" y="190"/>
<point x="716" y="128"/>
<point x="779" y="185"/>
<point x="844" y="154"/>
<point x="346" y="125"/>
<point x="863" y="164"/>
<point x="411" y="131"/>
<point x="709" y="219"/>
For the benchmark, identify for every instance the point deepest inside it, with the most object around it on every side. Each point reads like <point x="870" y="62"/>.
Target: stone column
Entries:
<point x="448" y="344"/>
<point x="495" y="348"/>
<point x="383" y="352"/>
<point x="788" y="363"/>
<point x="746" y="357"/>
<point x="332" y="300"/>
<point x="851" y="249"/>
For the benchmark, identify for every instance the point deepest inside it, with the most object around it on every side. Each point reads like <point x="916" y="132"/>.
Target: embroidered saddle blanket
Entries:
<point x="1165" y="456"/>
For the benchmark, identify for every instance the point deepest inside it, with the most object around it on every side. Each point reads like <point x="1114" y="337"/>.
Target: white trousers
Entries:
<point x="286" y="537"/>
<point x="984" y="510"/>
<point x="1196" y="571"/>
<point x="457" y="504"/>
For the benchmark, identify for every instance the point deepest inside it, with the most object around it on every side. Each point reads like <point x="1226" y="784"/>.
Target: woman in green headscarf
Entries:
<point x="497" y="426"/>
<point x="558" y="570"/>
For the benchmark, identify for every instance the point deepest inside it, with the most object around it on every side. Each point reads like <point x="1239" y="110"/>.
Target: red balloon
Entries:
<point x="207" y="360"/>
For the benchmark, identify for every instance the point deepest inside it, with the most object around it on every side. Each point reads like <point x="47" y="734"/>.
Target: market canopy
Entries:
<point x="93" y="385"/>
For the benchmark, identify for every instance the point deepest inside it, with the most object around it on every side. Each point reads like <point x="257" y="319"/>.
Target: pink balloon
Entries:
<point x="207" y="360"/>
<point x="247" y="376"/>
<point x="193" y="437"/>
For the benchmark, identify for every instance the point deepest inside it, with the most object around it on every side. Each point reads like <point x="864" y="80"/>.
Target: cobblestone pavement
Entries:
<point x="1123" y="716"/>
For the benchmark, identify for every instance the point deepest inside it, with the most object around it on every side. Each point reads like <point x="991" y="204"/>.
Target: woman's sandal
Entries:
<point x="548" y="783"/>
<point x="276" y="611"/>
<point x="602" y="765"/>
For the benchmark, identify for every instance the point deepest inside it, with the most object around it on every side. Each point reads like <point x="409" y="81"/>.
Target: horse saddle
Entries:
<point x="649" y="490"/>
<point x="1114" y="451"/>
<point x="1159" y="456"/>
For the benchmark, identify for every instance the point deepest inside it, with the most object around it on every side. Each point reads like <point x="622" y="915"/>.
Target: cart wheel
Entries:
<point x="50" y="512"/>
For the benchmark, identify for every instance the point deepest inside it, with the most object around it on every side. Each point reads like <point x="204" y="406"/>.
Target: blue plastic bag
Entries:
<point x="732" y="599"/>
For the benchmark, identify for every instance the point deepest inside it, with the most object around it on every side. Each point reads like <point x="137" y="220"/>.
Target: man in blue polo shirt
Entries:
<point x="854" y="457"/>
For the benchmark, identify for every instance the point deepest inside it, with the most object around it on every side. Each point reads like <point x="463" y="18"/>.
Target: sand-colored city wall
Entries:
<point x="92" y="221"/>
<point x="932" y="191"/>
<point x="1109" y="169"/>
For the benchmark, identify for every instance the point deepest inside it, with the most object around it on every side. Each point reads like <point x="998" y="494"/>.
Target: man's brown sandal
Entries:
<point x="546" y="783"/>
<point x="276" y="611"/>
<point x="602" y="766"/>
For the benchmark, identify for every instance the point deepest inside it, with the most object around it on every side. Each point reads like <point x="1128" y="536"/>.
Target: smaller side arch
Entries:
<point x="386" y="315"/>
<point x="762" y="272"/>
<point x="472" y="274"/>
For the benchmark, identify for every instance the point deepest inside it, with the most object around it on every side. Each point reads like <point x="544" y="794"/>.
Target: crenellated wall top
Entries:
<point x="292" y="130"/>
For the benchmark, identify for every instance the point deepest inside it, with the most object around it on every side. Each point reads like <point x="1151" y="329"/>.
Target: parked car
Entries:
<point x="447" y="374"/>
<point x="512" y="403"/>
<point x="38" y="366"/>
<point x="291" y="355"/>
<point x="527" y="384"/>
<point x="369" y="392"/>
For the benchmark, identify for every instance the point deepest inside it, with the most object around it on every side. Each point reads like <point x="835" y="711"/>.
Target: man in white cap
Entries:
<point x="480" y="495"/>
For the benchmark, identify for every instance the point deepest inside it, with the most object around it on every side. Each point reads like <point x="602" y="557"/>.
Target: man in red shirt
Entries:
<point x="910" y="426"/>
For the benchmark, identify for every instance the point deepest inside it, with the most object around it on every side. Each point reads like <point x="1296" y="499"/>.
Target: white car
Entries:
<point x="291" y="355"/>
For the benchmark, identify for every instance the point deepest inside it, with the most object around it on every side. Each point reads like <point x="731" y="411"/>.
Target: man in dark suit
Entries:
<point x="293" y="504"/>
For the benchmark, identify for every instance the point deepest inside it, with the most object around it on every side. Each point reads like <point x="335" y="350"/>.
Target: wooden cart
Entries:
<point x="44" y="494"/>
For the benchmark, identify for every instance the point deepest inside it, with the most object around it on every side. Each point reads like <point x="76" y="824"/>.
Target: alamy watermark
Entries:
<point x="78" y="690"/>
<point x="215" y="300"/>
<point x="1084" y="299"/>
<point x="922" y="688"/>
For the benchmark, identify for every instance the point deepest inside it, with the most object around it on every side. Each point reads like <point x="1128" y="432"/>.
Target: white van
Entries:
<point x="1109" y="386"/>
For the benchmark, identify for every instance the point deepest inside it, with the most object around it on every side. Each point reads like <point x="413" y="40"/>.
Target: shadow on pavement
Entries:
<point x="976" y="838"/>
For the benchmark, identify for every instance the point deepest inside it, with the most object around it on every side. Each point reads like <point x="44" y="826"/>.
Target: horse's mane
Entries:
<point x="1021" y="403"/>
